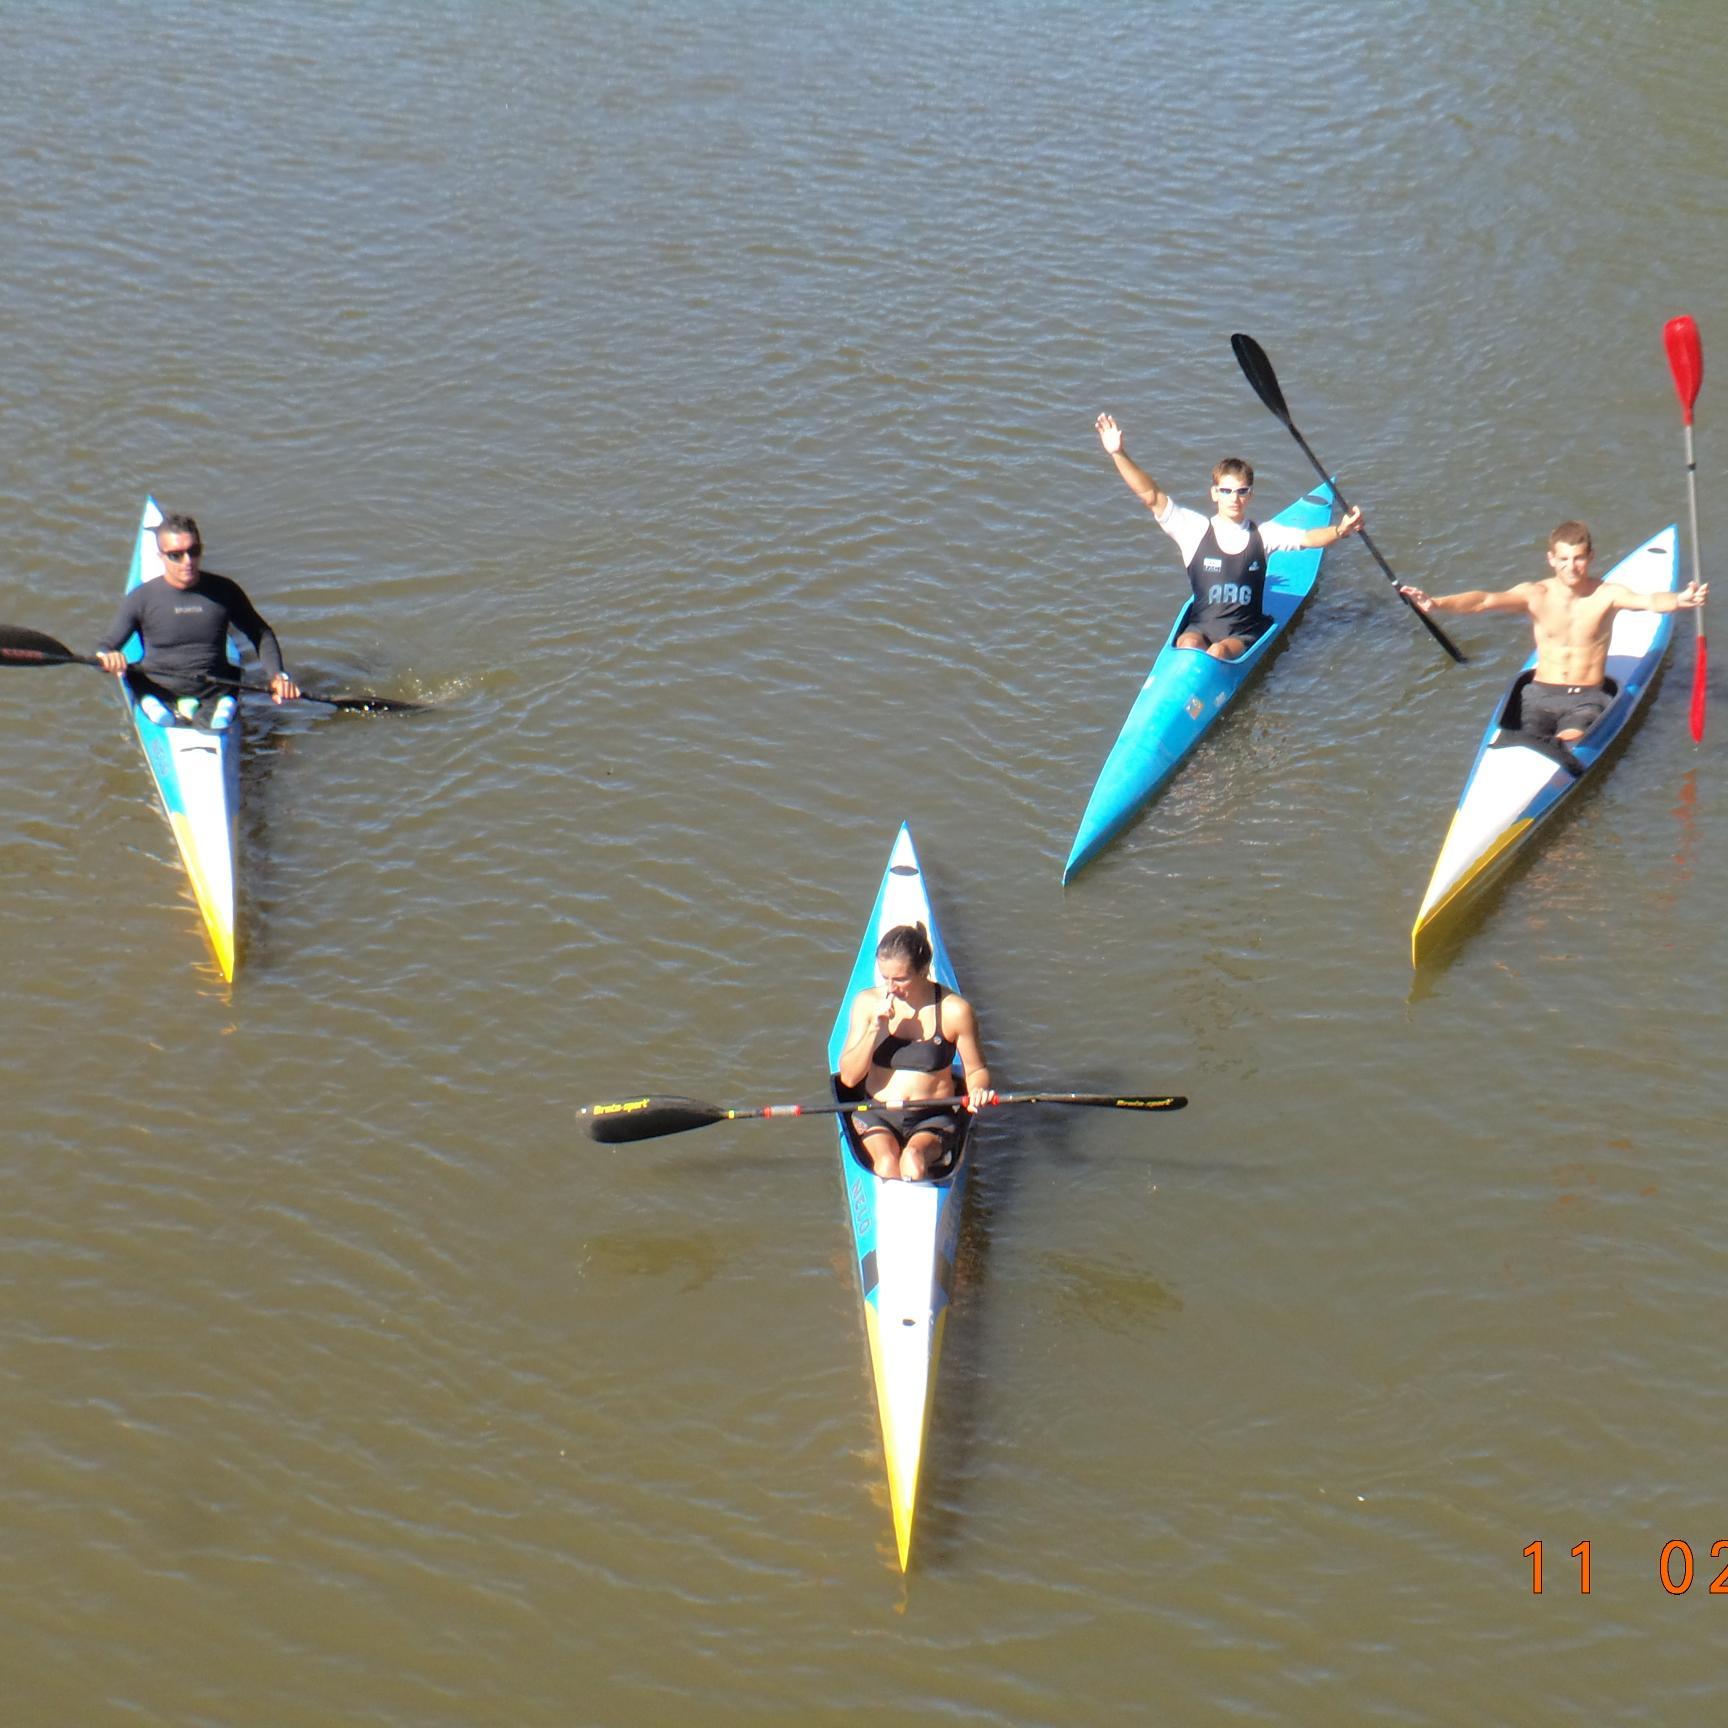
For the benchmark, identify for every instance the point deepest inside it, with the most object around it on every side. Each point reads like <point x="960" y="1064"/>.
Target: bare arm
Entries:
<point x="963" y="1028"/>
<point x="1689" y="599"/>
<point x="869" y="1022"/>
<point x="1472" y="600"/>
<point x="1140" y="483"/>
<point x="1347" y="524"/>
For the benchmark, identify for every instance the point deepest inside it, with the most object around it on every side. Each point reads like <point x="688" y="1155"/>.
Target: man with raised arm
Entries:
<point x="1225" y="554"/>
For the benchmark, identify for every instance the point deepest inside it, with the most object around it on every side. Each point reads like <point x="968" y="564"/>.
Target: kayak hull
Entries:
<point x="1185" y="692"/>
<point x="197" y="778"/>
<point x="1514" y="788"/>
<point x="905" y="1235"/>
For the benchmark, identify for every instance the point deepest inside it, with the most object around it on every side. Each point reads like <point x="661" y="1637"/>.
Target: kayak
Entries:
<point x="197" y="775"/>
<point x="1186" y="690"/>
<point x="1513" y="786"/>
<point x="904" y="1234"/>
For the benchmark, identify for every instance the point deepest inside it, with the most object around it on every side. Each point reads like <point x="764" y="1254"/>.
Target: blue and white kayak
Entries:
<point x="197" y="775"/>
<point x="1513" y="786"/>
<point x="1186" y="690"/>
<point x="904" y="1234"/>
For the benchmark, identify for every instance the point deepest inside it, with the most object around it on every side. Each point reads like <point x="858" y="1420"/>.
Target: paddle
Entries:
<point x="21" y="647"/>
<point x="1686" y="362"/>
<point x="1251" y="357"/>
<point x="649" y="1118"/>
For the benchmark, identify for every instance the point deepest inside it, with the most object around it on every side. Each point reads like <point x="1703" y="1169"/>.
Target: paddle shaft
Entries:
<point x="1700" y="663"/>
<point x="1085" y="1100"/>
<point x="1686" y="362"/>
<point x="1426" y="622"/>
<point x="1692" y="512"/>
<point x="22" y="647"/>
<point x="349" y="704"/>
<point x="1257" y="369"/>
<point x="651" y="1118"/>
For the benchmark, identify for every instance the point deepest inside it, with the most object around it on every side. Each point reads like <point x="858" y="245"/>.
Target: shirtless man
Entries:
<point x="1225" y="554"/>
<point x="1572" y="613"/>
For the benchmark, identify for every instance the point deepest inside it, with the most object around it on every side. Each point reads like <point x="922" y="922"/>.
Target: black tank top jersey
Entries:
<point x="921" y="1055"/>
<point x="1230" y="587"/>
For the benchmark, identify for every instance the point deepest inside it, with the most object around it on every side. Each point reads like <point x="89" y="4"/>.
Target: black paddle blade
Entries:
<point x="348" y="704"/>
<point x="369" y="704"/>
<point x="1096" y="1100"/>
<point x="21" y="647"/>
<point x="647" y="1118"/>
<point x="1257" y="369"/>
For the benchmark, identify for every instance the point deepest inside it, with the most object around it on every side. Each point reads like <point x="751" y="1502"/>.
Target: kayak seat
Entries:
<point x="1512" y="712"/>
<point x="844" y="1094"/>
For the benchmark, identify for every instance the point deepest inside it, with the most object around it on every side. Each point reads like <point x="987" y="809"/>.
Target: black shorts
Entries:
<point x="942" y="1120"/>
<point x="1549" y="709"/>
<point x="168" y="688"/>
<point x="1217" y="623"/>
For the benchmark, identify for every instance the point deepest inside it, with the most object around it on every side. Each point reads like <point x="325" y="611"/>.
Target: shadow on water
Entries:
<point x="1100" y="1295"/>
<point x="273" y="735"/>
<point x="267" y="743"/>
<point x="1104" y="1298"/>
<point x="1685" y="814"/>
<point x="693" y="1258"/>
<point x="957" y="1420"/>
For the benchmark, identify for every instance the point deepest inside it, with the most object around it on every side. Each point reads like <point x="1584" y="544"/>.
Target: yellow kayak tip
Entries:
<point x="215" y="907"/>
<point x="1439" y="914"/>
<point x="905" y="1414"/>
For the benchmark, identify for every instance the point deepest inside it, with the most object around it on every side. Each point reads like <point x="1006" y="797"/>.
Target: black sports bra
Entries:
<point x="922" y="1055"/>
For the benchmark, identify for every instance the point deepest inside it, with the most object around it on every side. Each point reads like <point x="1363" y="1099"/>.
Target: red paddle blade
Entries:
<point x="1699" y="681"/>
<point x="1685" y="361"/>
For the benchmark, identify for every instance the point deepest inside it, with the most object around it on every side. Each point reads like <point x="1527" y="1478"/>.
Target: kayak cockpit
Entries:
<point x="1511" y="725"/>
<point x="942" y="1171"/>
<point x="1512" y="709"/>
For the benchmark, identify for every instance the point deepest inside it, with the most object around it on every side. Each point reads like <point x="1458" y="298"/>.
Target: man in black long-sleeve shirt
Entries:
<point x="183" y="620"/>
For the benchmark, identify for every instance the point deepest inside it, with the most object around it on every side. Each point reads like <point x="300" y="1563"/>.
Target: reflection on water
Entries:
<point x="1685" y="814"/>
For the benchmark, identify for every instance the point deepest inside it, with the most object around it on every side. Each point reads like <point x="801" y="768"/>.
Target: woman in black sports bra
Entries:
<point x="901" y="1048"/>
